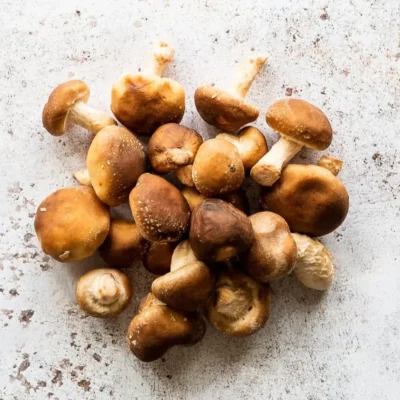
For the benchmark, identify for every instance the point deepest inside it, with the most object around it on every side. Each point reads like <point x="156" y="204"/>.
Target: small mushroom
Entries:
<point x="158" y="327"/>
<point x="314" y="267"/>
<point x="67" y="106"/>
<point x="72" y="223"/>
<point x="300" y="124"/>
<point x="273" y="252"/>
<point x="184" y="175"/>
<point x="331" y="163"/>
<point x="310" y="198"/>
<point x="157" y="259"/>
<point x="217" y="168"/>
<point x="144" y="102"/>
<point x="124" y="244"/>
<point x="227" y="109"/>
<point x="250" y="143"/>
<point x="219" y="231"/>
<point x="103" y="292"/>
<point x="239" y="306"/>
<point x="160" y="211"/>
<point x="115" y="161"/>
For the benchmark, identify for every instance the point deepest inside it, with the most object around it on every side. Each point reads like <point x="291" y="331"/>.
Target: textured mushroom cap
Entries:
<point x="103" y="292"/>
<point x="157" y="328"/>
<point x="273" y="253"/>
<point x="145" y="102"/>
<point x="301" y="122"/>
<point x="61" y="99"/>
<point x="223" y="110"/>
<point x="239" y="306"/>
<point x="124" y="245"/>
<point x="157" y="259"/>
<point x="172" y="146"/>
<point x="219" y="231"/>
<point x="217" y="168"/>
<point x="160" y="211"/>
<point x="72" y="223"/>
<point x="115" y="161"/>
<point x="310" y="198"/>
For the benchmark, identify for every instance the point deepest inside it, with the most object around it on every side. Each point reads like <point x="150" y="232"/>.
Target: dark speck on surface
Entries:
<point x="25" y="316"/>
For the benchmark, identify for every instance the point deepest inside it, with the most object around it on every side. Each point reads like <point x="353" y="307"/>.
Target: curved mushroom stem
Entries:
<point x="184" y="174"/>
<point x="244" y="76"/>
<point x="82" y="176"/>
<point x="105" y="289"/>
<point x="268" y="170"/>
<point x="161" y="57"/>
<point x="330" y="163"/>
<point x="89" y="118"/>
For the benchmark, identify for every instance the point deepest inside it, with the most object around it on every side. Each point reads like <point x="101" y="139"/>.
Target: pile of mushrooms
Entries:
<point x="212" y="260"/>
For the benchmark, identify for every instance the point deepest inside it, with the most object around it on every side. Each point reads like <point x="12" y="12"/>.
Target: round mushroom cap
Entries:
<point x="61" y="99"/>
<point x="124" y="245"/>
<point x="217" y="168"/>
<point x="72" y="223"/>
<point x="160" y="211"/>
<point x="145" y="102"/>
<point x="172" y="146"/>
<point x="273" y="253"/>
<point x="310" y="198"/>
<point x="300" y="122"/>
<point x="103" y="292"/>
<point x="219" y="231"/>
<point x="157" y="259"/>
<point x="239" y="306"/>
<point x="223" y="110"/>
<point x="115" y="161"/>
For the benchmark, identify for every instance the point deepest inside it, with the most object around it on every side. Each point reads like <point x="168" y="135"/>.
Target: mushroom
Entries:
<point x="157" y="259"/>
<point x="182" y="255"/>
<point x="300" y="124"/>
<point x="273" y="252"/>
<point x="310" y="198"/>
<point x="193" y="197"/>
<point x="172" y="147"/>
<point x="159" y="209"/>
<point x="217" y="168"/>
<point x="124" y="245"/>
<point x="184" y="175"/>
<point x="219" y="231"/>
<point x="144" y="102"/>
<point x="250" y="143"/>
<point x="158" y="327"/>
<point x="67" y="106"/>
<point x="227" y="109"/>
<point x="115" y="161"/>
<point x="72" y="223"/>
<point x="314" y="267"/>
<point x="103" y="292"/>
<point x="331" y="163"/>
<point x="239" y="306"/>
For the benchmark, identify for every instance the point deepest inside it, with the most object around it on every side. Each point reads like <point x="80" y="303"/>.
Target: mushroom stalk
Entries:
<point x="82" y="176"/>
<point x="331" y="163"/>
<point x="89" y="118"/>
<point x="184" y="174"/>
<point x="179" y="156"/>
<point x="267" y="171"/>
<point x="105" y="289"/>
<point x="161" y="57"/>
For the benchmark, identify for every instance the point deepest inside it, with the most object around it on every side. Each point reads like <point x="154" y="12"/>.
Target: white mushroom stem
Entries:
<point x="330" y="163"/>
<point x="179" y="156"/>
<point x="314" y="266"/>
<point x="82" y="177"/>
<point x="89" y="118"/>
<point x="268" y="170"/>
<point x="244" y="76"/>
<point x="105" y="289"/>
<point x="161" y="57"/>
<point x="183" y="255"/>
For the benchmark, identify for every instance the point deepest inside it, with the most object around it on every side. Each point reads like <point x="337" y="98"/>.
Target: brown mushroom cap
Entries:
<point x="173" y="146"/>
<point x="273" y="252"/>
<point x="157" y="259"/>
<point x="239" y="306"/>
<point x="310" y="198"/>
<point x="159" y="209"/>
<point x="219" y="231"/>
<point x="115" y="161"/>
<point x="157" y="328"/>
<point x="217" y="168"/>
<point x="124" y="244"/>
<point x="72" y="223"/>
<point x="103" y="292"/>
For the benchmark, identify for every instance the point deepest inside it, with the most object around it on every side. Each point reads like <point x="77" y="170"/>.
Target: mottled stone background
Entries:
<point x="342" y="55"/>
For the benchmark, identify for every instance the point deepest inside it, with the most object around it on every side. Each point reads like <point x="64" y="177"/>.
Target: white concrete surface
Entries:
<point x="343" y="56"/>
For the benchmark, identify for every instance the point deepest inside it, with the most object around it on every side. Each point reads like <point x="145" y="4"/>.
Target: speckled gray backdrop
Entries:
<point x="343" y="56"/>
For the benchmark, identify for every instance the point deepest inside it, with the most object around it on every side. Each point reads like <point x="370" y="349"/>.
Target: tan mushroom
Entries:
<point x="227" y="109"/>
<point x="103" y="292"/>
<point x="184" y="175"/>
<point x="157" y="259"/>
<point x="144" y="102"/>
<point x="67" y="106"/>
<point x="72" y="223"/>
<point x="300" y="124"/>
